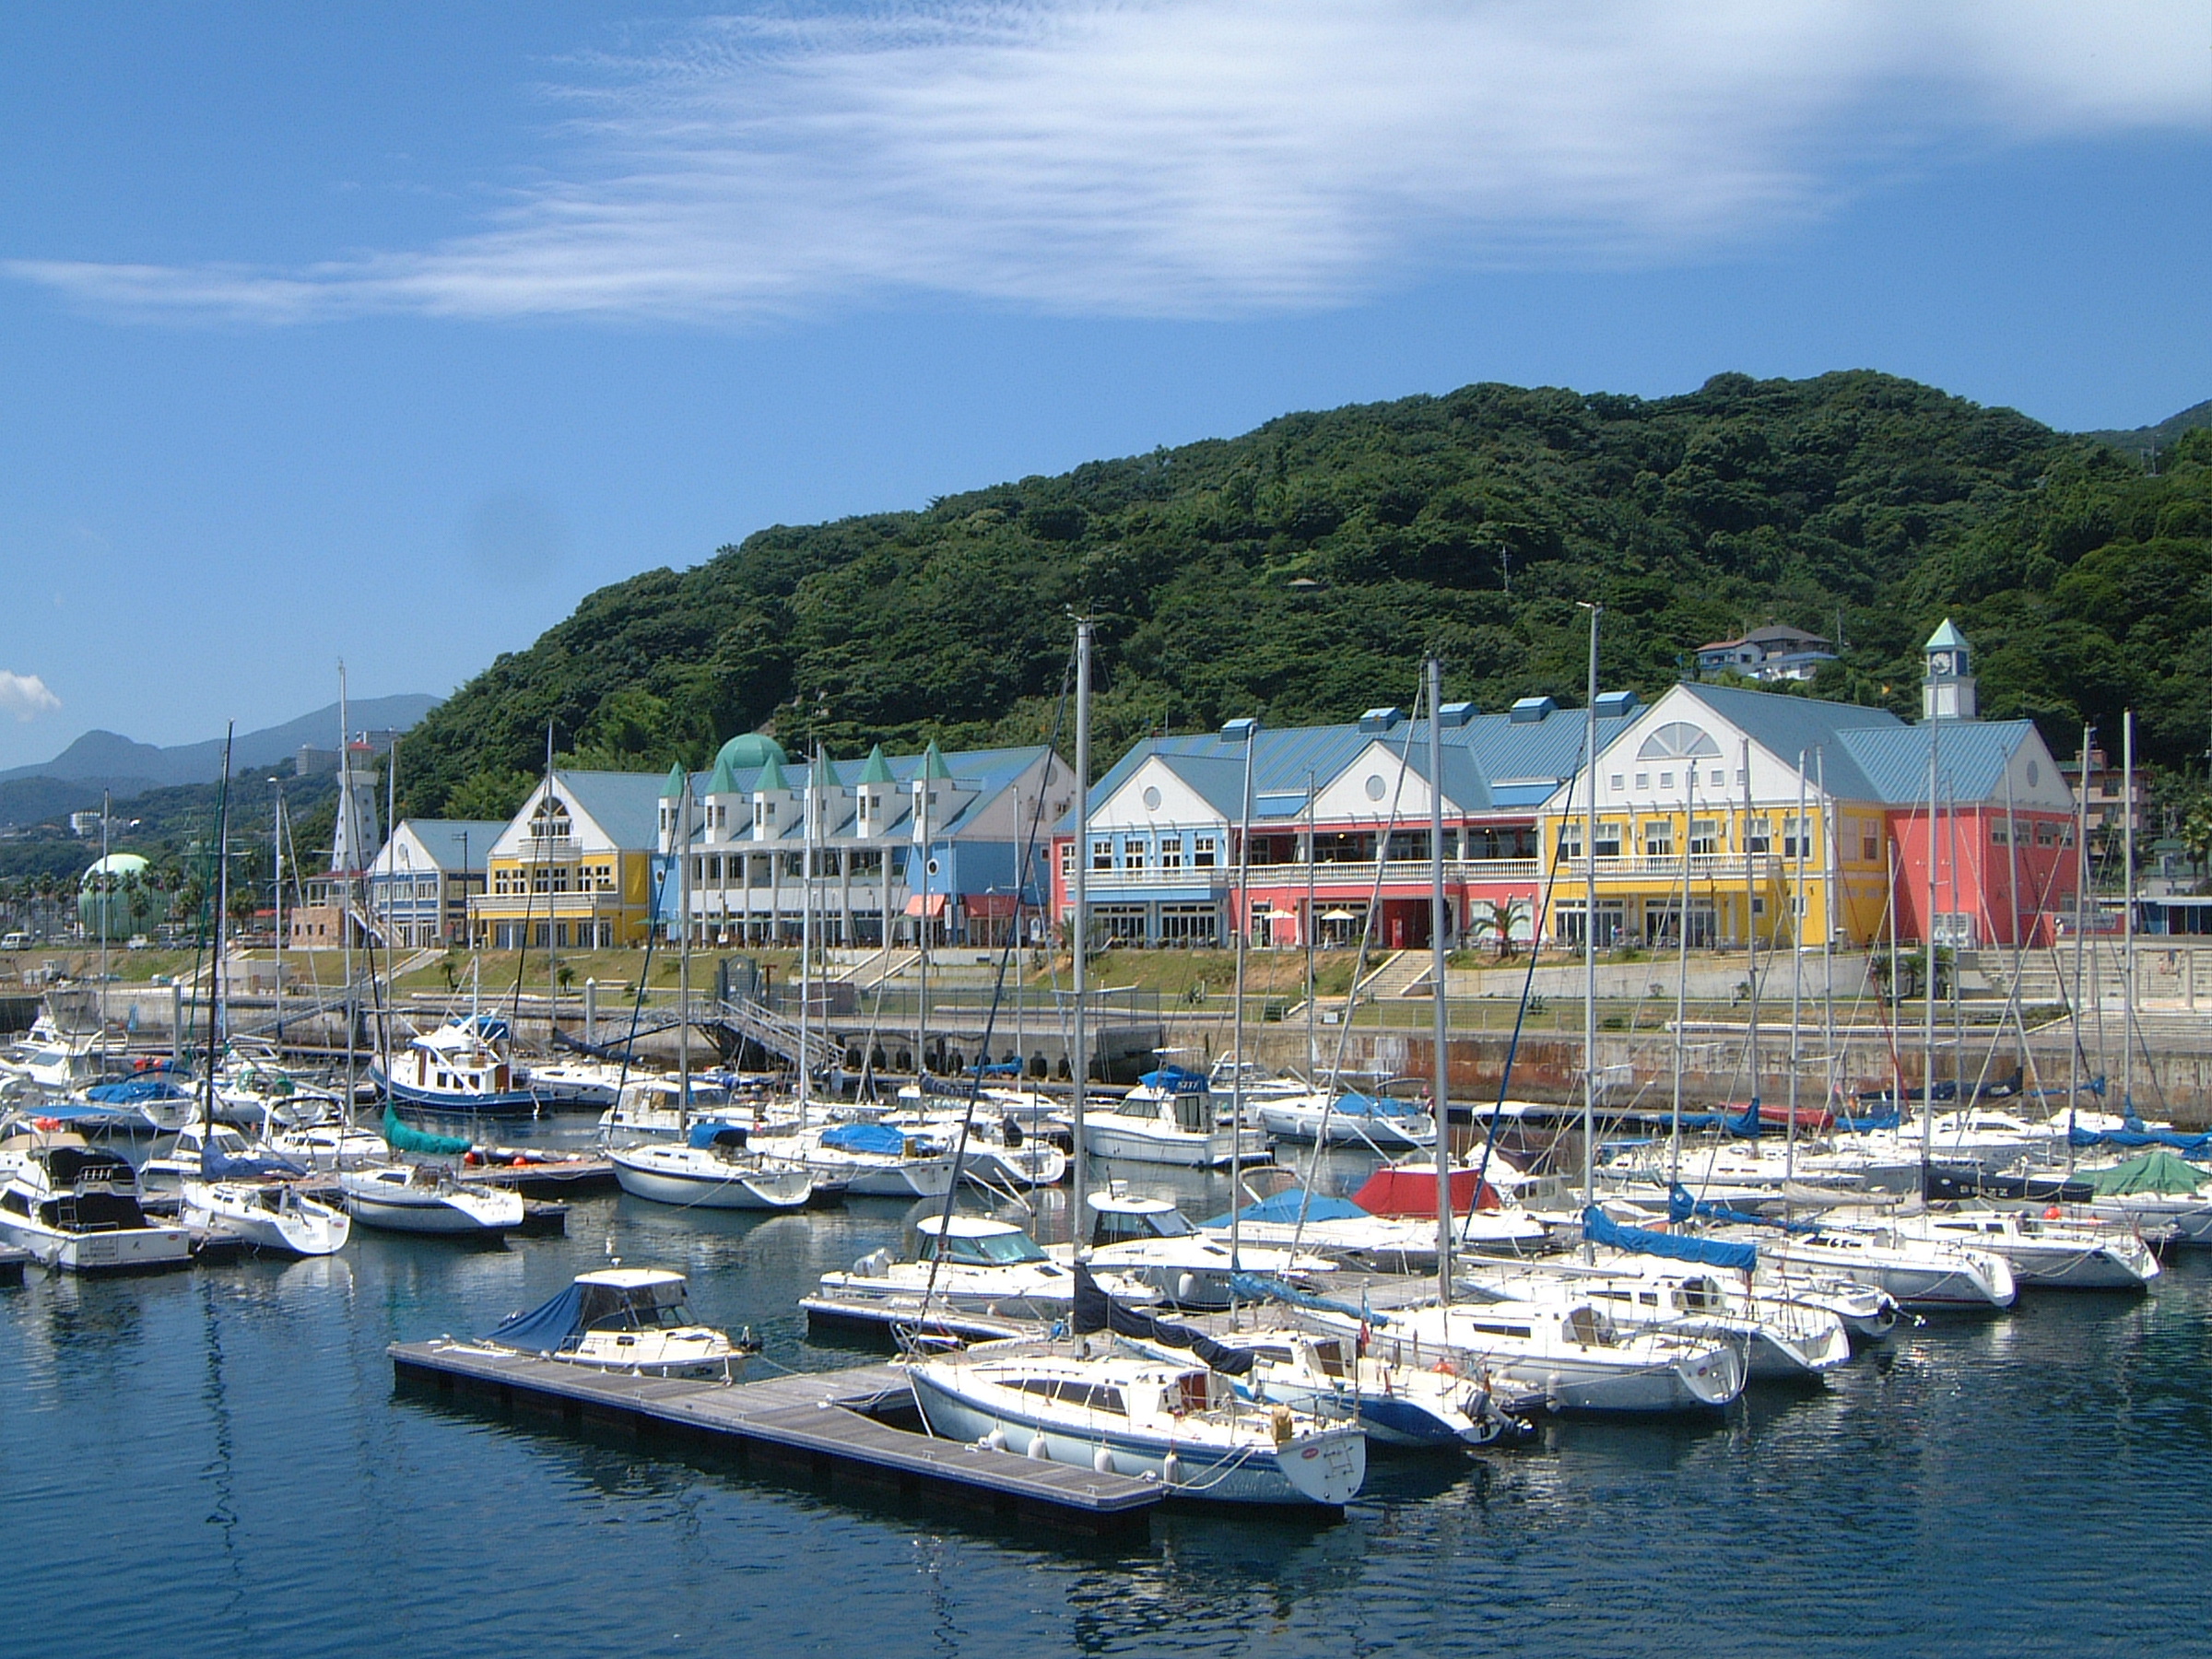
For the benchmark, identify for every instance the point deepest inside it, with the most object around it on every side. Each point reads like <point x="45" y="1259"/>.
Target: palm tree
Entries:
<point x="1495" y="919"/>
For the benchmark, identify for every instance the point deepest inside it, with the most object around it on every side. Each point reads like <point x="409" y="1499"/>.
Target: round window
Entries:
<point x="2035" y="774"/>
<point x="1375" y="786"/>
<point x="1151" y="800"/>
<point x="932" y="867"/>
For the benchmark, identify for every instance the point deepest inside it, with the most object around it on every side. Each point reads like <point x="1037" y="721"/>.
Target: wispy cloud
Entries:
<point x="1220" y="157"/>
<point x="25" y="696"/>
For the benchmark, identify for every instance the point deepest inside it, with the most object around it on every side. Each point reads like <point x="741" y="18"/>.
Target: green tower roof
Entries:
<point x="749" y="749"/>
<point x="724" y="780"/>
<point x="674" y="789"/>
<point x="933" y="763"/>
<point x="771" y="773"/>
<point x="878" y="769"/>
<point x="1946" y="638"/>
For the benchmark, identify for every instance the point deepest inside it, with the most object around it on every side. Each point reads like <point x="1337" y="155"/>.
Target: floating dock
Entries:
<point x="827" y="1425"/>
<point x="557" y="1178"/>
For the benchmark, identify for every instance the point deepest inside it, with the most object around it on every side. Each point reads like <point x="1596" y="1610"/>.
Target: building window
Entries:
<point x="1797" y="838"/>
<point x="1755" y="836"/>
<point x="714" y="869"/>
<point x="1659" y="837"/>
<point x="1067" y="858"/>
<point x="2046" y="833"/>
<point x="1718" y="780"/>
<point x="1704" y="837"/>
<point x="1101" y="855"/>
<point x="1870" y="843"/>
<point x="1205" y="851"/>
<point x="2000" y="833"/>
<point x="1608" y="839"/>
<point x="1171" y="852"/>
<point x="1570" y="838"/>
<point x="1667" y="780"/>
<point x="1643" y="780"/>
<point x="1617" y="781"/>
<point x="1133" y="854"/>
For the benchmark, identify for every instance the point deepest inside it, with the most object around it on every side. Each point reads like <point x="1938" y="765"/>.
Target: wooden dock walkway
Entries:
<point x="815" y="1422"/>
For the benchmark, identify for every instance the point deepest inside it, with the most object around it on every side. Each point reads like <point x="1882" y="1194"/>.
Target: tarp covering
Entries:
<point x="1746" y="1123"/>
<point x="2188" y="1146"/>
<point x="1394" y="1191"/>
<point x="1681" y="1206"/>
<point x="136" y="1091"/>
<point x="878" y="1138"/>
<point x="401" y="1137"/>
<point x="1095" y="1310"/>
<point x="1601" y="1229"/>
<point x="545" y="1327"/>
<point x="253" y="1165"/>
<point x="2154" y="1171"/>
<point x="711" y="1135"/>
<point x="1354" y="1105"/>
<point x="1174" y="1079"/>
<point x="1283" y="1208"/>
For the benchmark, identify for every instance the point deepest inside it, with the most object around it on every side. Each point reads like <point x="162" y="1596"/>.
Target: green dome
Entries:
<point x="129" y="906"/>
<point x="750" y="750"/>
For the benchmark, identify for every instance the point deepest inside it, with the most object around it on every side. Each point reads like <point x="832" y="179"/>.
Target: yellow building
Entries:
<point x="574" y="868"/>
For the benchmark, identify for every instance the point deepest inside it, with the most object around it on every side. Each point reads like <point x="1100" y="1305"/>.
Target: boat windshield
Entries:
<point x="1121" y="1227"/>
<point x="992" y="1250"/>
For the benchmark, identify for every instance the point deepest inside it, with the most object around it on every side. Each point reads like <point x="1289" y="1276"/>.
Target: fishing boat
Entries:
<point x="714" y="1168"/>
<point x="75" y="1206"/>
<point x="421" y="1198"/>
<point x="1563" y="1355"/>
<point x="463" y="1067"/>
<point x="632" y="1320"/>
<point x="1171" y="1117"/>
<point x="1152" y="1241"/>
<point x="1178" y="1423"/>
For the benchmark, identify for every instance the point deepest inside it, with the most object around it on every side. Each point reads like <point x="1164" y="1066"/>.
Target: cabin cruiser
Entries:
<point x="1341" y="1230"/>
<point x="1347" y="1118"/>
<point x="1152" y="1241"/>
<point x="869" y="1160"/>
<point x="1173" y="1118"/>
<point x="1568" y="1355"/>
<point x="75" y="1206"/>
<point x="574" y="1085"/>
<point x="421" y="1198"/>
<point x="623" y="1319"/>
<point x="1178" y="1423"/>
<point x="462" y="1066"/>
<point x="714" y="1168"/>
<point x="51" y="1061"/>
<point x="962" y="1264"/>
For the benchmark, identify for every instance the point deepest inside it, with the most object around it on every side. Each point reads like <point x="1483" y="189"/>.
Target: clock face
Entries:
<point x="1942" y="662"/>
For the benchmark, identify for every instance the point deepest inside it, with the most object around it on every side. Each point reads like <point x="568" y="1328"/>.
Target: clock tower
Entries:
<point x="1947" y="691"/>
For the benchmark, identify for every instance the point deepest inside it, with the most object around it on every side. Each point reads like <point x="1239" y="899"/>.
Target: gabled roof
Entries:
<point x="1970" y="759"/>
<point x="627" y="806"/>
<point x="988" y="773"/>
<point x="1784" y="725"/>
<point x="454" y="844"/>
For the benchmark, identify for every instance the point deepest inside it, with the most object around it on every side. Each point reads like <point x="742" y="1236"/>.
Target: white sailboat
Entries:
<point x="419" y="1198"/>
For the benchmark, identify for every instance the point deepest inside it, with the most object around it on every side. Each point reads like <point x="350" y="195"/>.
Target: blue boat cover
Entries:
<point x="545" y="1327"/>
<point x="711" y="1134"/>
<point x="1748" y="1125"/>
<point x="2188" y="1146"/>
<point x="136" y="1091"/>
<point x="255" y="1166"/>
<point x="879" y="1138"/>
<point x="1681" y="1206"/>
<point x="1283" y="1207"/>
<point x="1265" y="1286"/>
<point x="1373" y="1106"/>
<point x="1601" y="1229"/>
<point x="1174" y="1079"/>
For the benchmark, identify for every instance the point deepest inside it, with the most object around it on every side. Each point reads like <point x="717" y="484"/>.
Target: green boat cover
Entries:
<point x="400" y="1138"/>
<point x="2157" y="1170"/>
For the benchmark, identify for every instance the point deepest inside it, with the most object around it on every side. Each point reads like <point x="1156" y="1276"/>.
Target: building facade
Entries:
<point x="421" y="880"/>
<point x="574" y="868"/>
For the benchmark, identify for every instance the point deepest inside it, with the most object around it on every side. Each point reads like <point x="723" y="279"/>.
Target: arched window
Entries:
<point x="1678" y="738"/>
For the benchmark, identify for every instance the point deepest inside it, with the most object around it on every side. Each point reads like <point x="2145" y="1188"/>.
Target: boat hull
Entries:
<point x="435" y="1212"/>
<point x="665" y="1182"/>
<point x="120" y="1251"/>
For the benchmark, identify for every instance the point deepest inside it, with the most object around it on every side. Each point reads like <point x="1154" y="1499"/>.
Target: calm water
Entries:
<point x="215" y="1463"/>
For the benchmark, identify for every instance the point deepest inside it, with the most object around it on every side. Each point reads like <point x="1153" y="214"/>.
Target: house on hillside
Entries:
<point x="1774" y="653"/>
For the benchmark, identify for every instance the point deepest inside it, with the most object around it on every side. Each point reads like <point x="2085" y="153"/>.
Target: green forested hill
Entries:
<point x="1300" y="571"/>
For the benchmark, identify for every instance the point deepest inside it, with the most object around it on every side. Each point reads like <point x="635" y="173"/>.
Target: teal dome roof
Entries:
<point x="750" y="750"/>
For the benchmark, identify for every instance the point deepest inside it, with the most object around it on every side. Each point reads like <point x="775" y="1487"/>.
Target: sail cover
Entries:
<point x="216" y="1165"/>
<point x="1601" y="1229"/>
<point x="1095" y="1310"/>
<point x="545" y="1326"/>
<point x="881" y="1139"/>
<point x="402" y="1138"/>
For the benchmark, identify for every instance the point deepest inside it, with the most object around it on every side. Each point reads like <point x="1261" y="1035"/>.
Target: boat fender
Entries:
<point x="472" y="1157"/>
<point x="995" y="1440"/>
<point x="1444" y="1368"/>
<point x="1171" y="1469"/>
<point x="2053" y="1213"/>
<point x="1551" y="1389"/>
<point x="1102" y="1461"/>
<point x="1278" y="1420"/>
<point x="1186" y="1288"/>
<point x="1038" y="1449"/>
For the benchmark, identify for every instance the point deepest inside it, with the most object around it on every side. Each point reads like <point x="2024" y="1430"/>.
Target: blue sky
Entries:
<point x="388" y="334"/>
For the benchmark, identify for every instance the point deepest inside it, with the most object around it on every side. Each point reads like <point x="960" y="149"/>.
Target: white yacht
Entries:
<point x="2047" y="1254"/>
<point x="1568" y="1356"/>
<point x="418" y="1198"/>
<point x="272" y="1215"/>
<point x="962" y="1264"/>
<point x="1173" y="1118"/>
<point x="1176" y="1423"/>
<point x="1151" y="1240"/>
<point x="713" y="1170"/>
<point x="1347" y="1118"/>
<point x="255" y="1090"/>
<point x="75" y="1206"/>
<point x="50" y="1060"/>
<point x="623" y="1319"/>
<point x="871" y="1159"/>
<point x="1922" y="1277"/>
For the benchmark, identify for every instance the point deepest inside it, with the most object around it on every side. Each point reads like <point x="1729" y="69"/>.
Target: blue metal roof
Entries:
<point x="1970" y="759"/>
<point x="455" y="844"/>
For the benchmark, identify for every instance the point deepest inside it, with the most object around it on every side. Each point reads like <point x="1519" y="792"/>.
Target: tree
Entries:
<point x="1496" y="920"/>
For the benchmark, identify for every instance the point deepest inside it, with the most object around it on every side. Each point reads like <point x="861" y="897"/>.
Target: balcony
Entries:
<point x="1397" y="873"/>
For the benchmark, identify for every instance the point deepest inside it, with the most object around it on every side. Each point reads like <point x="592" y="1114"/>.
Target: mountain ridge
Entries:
<point x="103" y="758"/>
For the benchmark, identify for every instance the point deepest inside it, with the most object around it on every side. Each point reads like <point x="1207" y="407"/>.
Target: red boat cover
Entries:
<point x="1412" y="1192"/>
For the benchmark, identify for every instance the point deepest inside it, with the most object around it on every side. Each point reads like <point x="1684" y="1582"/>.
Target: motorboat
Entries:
<point x="1180" y="1424"/>
<point x="623" y="1319"/>
<point x="1565" y="1355"/>
<point x="1347" y="1118"/>
<point x="712" y="1170"/>
<point x="1171" y="1117"/>
<point x="870" y="1160"/>
<point x="75" y="1206"/>
<point x="463" y="1067"/>
<point x="422" y="1198"/>
<point x="1152" y="1241"/>
<point x="962" y="1264"/>
<point x="52" y="1061"/>
<point x="997" y="1154"/>
<point x="657" y="1107"/>
<point x="574" y="1085"/>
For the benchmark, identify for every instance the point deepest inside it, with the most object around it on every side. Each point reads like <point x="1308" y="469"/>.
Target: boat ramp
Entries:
<point x="830" y="1426"/>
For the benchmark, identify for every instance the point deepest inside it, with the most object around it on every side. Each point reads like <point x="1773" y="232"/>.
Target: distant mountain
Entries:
<point x="2143" y="441"/>
<point x="35" y="800"/>
<point x="107" y="759"/>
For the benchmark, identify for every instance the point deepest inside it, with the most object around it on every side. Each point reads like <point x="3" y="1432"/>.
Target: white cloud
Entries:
<point x="1222" y="157"/>
<point x="25" y="696"/>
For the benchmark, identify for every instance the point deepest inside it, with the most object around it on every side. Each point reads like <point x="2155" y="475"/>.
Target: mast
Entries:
<point x="1440" y="1015"/>
<point x="1589" y="933"/>
<point x="344" y="884"/>
<point x="1674" y="1131"/>
<point x="922" y="933"/>
<point x="1312" y="1036"/>
<point x="279" y="865"/>
<point x="553" y="910"/>
<point x="2127" y="914"/>
<point x="1828" y="859"/>
<point x="215" y="958"/>
<point x="1079" y="927"/>
<point x="810" y="805"/>
<point x="1797" y="914"/>
<point x="682" y="965"/>
<point x="1236" y="1083"/>
<point x="1751" y="927"/>
<point x="2082" y="961"/>
<point x="1927" y="1028"/>
<point x="107" y="890"/>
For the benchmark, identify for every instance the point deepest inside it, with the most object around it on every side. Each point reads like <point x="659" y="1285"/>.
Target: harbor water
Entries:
<point x="217" y="1463"/>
